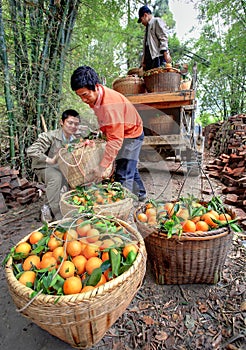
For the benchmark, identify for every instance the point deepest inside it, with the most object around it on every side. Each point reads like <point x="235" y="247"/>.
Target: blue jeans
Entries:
<point x="126" y="171"/>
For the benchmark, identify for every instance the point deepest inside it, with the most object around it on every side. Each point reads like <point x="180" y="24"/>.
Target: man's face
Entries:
<point x="87" y="96"/>
<point x="70" y="125"/>
<point x="144" y="19"/>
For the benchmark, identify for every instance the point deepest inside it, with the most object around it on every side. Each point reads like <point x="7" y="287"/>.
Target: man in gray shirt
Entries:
<point x="155" y="46"/>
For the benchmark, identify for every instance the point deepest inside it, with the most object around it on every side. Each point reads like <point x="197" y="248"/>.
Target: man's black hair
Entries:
<point x="84" y="77"/>
<point x="70" y="113"/>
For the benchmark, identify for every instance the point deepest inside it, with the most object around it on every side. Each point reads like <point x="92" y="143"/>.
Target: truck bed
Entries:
<point x="163" y="100"/>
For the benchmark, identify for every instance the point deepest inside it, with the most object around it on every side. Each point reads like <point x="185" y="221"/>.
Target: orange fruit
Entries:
<point x="183" y="213"/>
<point x="208" y="218"/>
<point x="224" y="217"/>
<point x="150" y="212"/>
<point x="92" y="235"/>
<point x="70" y="235"/>
<point x="92" y="264"/>
<point x="58" y="234"/>
<point x="101" y="281"/>
<point x="105" y="256"/>
<point x="47" y="254"/>
<point x="189" y="226"/>
<point x="107" y="243"/>
<point x="90" y="251"/>
<point x="149" y="205"/>
<point x="214" y="213"/>
<point x="118" y="241"/>
<point x="67" y="269"/>
<point x="79" y="262"/>
<point x="169" y="207"/>
<point x="129" y="248"/>
<point x="142" y="217"/>
<point x="202" y="226"/>
<point x="30" y="262"/>
<point x="195" y="219"/>
<point x="48" y="262"/>
<point x="82" y="229"/>
<point x="27" y="277"/>
<point x="23" y="248"/>
<point x="72" y="285"/>
<point x="87" y="289"/>
<point x="74" y="248"/>
<point x="99" y="199"/>
<point x="59" y="253"/>
<point x="53" y="243"/>
<point x="106" y="274"/>
<point x="152" y="220"/>
<point x="35" y="237"/>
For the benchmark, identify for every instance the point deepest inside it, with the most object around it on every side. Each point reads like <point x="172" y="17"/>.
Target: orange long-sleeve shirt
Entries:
<point x="117" y="119"/>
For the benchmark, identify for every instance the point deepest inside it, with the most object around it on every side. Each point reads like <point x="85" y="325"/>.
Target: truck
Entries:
<point x="169" y="126"/>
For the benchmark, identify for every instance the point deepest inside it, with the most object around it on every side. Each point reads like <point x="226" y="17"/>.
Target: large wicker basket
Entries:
<point x="79" y="164"/>
<point x="188" y="259"/>
<point x="119" y="209"/>
<point x="130" y="85"/>
<point x="82" y="319"/>
<point x="158" y="81"/>
<point x="163" y="125"/>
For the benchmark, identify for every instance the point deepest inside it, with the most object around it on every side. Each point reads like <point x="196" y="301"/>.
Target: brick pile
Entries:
<point x="230" y="166"/>
<point x="15" y="191"/>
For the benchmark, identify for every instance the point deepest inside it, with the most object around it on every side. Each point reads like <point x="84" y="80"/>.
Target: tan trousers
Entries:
<point x="53" y="180"/>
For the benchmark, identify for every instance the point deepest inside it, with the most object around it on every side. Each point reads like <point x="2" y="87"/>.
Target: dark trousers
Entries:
<point x="152" y="63"/>
<point x="126" y="171"/>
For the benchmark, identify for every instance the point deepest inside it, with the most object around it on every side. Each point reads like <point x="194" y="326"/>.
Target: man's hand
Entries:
<point x="51" y="161"/>
<point x="99" y="173"/>
<point x="167" y="57"/>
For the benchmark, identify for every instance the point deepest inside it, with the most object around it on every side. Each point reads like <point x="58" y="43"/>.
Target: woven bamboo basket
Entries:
<point x="135" y="71"/>
<point x="159" y="81"/>
<point x="130" y="85"/>
<point x="81" y="320"/>
<point x="185" y="85"/>
<point x="189" y="259"/>
<point x="119" y="209"/>
<point x="78" y="166"/>
<point x="163" y="125"/>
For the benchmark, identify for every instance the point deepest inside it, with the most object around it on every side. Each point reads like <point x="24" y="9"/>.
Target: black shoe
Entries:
<point x="142" y="198"/>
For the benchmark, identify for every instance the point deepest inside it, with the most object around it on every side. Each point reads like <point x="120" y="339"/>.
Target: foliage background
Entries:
<point x="42" y="42"/>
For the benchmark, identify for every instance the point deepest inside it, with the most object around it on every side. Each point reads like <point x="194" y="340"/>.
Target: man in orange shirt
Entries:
<point x="120" y="123"/>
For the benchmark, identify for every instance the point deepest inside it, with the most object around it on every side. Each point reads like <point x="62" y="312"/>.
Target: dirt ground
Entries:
<point x="173" y="317"/>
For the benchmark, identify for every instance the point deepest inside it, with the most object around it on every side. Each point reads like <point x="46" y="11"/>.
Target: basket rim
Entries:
<point x="186" y="236"/>
<point x="129" y="77"/>
<point x="80" y="297"/>
<point x="69" y="193"/>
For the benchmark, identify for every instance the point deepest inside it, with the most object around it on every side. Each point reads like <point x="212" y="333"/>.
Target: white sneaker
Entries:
<point x="46" y="215"/>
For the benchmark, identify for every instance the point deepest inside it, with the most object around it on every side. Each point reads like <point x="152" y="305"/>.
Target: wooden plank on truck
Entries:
<point x="163" y="100"/>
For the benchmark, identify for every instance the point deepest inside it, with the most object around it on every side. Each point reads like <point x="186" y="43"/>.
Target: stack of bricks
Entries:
<point x="15" y="191"/>
<point x="230" y="166"/>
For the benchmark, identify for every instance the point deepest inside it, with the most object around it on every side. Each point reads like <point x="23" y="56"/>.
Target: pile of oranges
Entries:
<point x="186" y="215"/>
<point x="97" y="194"/>
<point x="74" y="257"/>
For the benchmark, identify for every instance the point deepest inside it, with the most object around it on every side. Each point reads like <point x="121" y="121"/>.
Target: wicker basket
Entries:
<point x="163" y="125"/>
<point x="185" y="85"/>
<point x="81" y="320"/>
<point x="78" y="166"/>
<point x="135" y="71"/>
<point x="188" y="259"/>
<point x="119" y="209"/>
<point x="130" y="85"/>
<point x="162" y="81"/>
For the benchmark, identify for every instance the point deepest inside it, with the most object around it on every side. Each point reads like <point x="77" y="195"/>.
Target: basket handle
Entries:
<point x="81" y="156"/>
